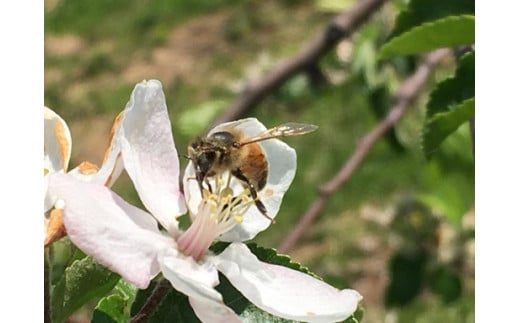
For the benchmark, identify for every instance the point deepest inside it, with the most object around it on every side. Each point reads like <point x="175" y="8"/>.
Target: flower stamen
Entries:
<point x="219" y="212"/>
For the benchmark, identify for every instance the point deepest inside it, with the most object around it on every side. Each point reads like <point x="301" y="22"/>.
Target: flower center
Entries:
<point x="219" y="211"/>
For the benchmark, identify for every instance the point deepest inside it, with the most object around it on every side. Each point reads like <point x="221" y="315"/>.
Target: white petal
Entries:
<point x="48" y="200"/>
<point x="282" y="291"/>
<point x="197" y="281"/>
<point x="57" y="142"/>
<point x="213" y="312"/>
<point x="118" y="235"/>
<point x="149" y="153"/>
<point x="281" y="160"/>
<point x="112" y="165"/>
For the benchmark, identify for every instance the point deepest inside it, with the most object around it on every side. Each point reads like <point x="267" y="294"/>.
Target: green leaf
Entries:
<point x="126" y="290"/>
<point x="421" y="11"/>
<point x="232" y="297"/>
<point x="446" y="283"/>
<point x="110" y="309"/>
<point x="116" y="307"/>
<point x="82" y="281"/>
<point x="174" y="307"/>
<point x="442" y="124"/>
<point x="271" y="256"/>
<point x="140" y="298"/>
<point x="253" y="314"/>
<point x="407" y="271"/>
<point x="446" y="32"/>
<point x="454" y="90"/>
<point x="357" y="316"/>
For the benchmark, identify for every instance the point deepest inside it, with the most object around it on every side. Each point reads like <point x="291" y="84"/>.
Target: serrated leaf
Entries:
<point x="454" y="90"/>
<point x="446" y="32"/>
<point x="253" y="314"/>
<point x="442" y="124"/>
<point x="110" y="309"/>
<point x="82" y="281"/>
<point x="272" y="256"/>
<point x="421" y="11"/>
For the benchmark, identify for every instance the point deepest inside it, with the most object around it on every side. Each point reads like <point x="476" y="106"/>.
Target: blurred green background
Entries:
<point x="401" y="231"/>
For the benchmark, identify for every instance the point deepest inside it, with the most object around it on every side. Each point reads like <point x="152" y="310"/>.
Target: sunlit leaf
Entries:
<point x="446" y="32"/>
<point x="110" y="309"/>
<point x="116" y="307"/>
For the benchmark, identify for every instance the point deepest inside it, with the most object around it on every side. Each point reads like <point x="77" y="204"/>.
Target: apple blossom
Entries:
<point x="57" y="151"/>
<point x="129" y="240"/>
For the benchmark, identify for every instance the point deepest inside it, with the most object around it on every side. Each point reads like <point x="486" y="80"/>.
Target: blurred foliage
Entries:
<point x="92" y="53"/>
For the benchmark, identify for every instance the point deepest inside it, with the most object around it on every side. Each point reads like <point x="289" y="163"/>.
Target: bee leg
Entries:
<point x="259" y="205"/>
<point x="208" y="185"/>
<point x="200" y="178"/>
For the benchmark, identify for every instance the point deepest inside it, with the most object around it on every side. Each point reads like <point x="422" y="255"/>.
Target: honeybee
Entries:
<point x="229" y="149"/>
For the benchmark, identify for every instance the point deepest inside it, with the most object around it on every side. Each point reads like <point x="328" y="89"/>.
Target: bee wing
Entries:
<point x="283" y="130"/>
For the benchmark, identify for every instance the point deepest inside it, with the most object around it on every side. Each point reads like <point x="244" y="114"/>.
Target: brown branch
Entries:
<point x="159" y="292"/>
<point x="341" y="26"/>
<point x="404" y="97"/>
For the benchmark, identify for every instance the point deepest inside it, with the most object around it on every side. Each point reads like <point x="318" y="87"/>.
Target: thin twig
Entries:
<point x="404" y="97"/>
<point x="159" y="292"/>
<point x="341" y="26"/>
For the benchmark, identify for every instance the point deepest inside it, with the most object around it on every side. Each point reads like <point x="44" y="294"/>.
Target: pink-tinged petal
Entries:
<point x="282" y="291"/>
<point x="281" y="160"/>
<point x="196" y="280"/>
<point x="149" y="153"/>
<point x="118" y="235"/>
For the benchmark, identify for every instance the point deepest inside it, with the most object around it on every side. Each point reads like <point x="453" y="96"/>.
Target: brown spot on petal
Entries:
<point x="108" y="182"/>
<point x="115" y="126"/>
<point x="55" y="228"/>
<point x="268" y="192"/>
<point x="63" y="143"/>
<point x="87" y="168"/>
<point x="311" y="313"/>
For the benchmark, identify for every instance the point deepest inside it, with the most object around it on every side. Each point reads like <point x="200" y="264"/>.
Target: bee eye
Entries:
<point x="210" y="156"/>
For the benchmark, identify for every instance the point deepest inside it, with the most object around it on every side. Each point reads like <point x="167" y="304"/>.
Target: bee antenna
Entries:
<point x="185" y="156"/>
